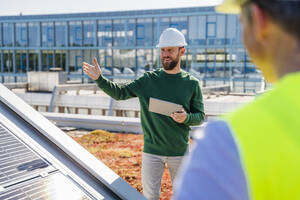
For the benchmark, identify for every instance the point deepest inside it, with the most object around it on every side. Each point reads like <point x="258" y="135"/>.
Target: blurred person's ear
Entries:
<point x="260" y="23"/>
<point x="181" y="51"/>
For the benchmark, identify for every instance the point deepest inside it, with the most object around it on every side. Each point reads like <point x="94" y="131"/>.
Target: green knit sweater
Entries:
<point x="162" y="135"/>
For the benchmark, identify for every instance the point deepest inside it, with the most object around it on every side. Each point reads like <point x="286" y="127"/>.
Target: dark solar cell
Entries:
<point x="53" y="187"/>
<point x="17" y="161"/>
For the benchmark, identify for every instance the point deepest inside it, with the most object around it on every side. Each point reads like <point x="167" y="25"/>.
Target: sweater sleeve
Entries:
<point x="118" y="91"/>
<point x="196" y="115"/>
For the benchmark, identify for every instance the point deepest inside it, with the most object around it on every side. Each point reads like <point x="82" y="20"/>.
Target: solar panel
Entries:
<point x="17" y="161"/>
<point x="38" y="161"/>
<point x="53" y="187"/>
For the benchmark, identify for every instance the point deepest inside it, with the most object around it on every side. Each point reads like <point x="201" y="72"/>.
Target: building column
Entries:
<point x="54" y="59"/>
<point x="126" y="31"/>
<point x="96" y="43"/>
<point x="27" y="60"/>
<point x="40" y="61"/>
<point x="225" y="48"/>
<point x="54" y="45"/>
<point x="14" y="65"/>
<point x="27" y="44"/>
<point x="157" y="34"/>
<point x="136" y="62"/>
<point x="40" y="45"/>
<point x="2" y="65"/>
<point x="82" y="74"/>
<point x="68" y="61"/>
<point x="67" y="34"/>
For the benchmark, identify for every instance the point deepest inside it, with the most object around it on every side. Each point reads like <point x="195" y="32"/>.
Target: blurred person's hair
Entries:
<point x="286" y="13"/>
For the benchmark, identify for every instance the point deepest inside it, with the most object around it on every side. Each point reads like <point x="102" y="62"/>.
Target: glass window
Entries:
<point x="21" y="61"/>
<point x="33" y="34"/>
<point x="75" y="33"/>
<point x="119" y="32"/>
<point x="156" y="32"/>
<point x="89" y="55"/>
<point x="7" y="34"/>
<point x="21" y="34"/>
<point x="89" y="33"/>
<point x="1" y="61"/>
<point x="197" y="30"/>
<point x="164" y="23"/>
<point x="198" y="60"/>
<point x="211" y="29"/>
<point x="105" y="60"/>
<point x="144" y="32"/>
<point x="108" y="61"/>
<point x="8" y="61"/>
<point x="104" y="34"/>
<point x="131" y="32"/>
<point x="221" y="27"/>
<point x="144" y="59"/>
<point x="1" y="26"/>
<point x="210" y="66"/>
<point x="179" y="23"/>
<point x="156" y="58"/>
<point x="238" y="57"/>
<point x="60" y="34"/>
<point x="123" y="62"/>
<point x="104" y="57"/>
<point x="184" y="62"/>
<point x="47" y="60"/>
<point x="60" y="59"/>
<point x="124" y="58"/>
<point x="233" y="29"/>
<point x="76" y="61"/>
<point x="100" y="57"/>
<point x="215" y="63"/>
<point x="47" y="34"/>
<point x="140" y="31"/>
<point x="160" y="24"/>
<point x="211" y="18"/>
<point x="33" y="60"/>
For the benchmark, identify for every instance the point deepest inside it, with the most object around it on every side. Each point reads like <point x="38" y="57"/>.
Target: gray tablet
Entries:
<point x="163" y="107"/>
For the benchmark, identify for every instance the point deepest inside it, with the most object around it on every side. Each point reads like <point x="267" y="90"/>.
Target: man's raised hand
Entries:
<point x="93" y="71"/>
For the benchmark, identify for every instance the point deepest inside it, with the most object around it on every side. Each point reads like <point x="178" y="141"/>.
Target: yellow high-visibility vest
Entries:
<point x="267" y="132"/>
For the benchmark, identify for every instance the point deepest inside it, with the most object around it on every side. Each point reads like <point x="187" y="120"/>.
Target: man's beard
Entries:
<point x="171" y="65"/>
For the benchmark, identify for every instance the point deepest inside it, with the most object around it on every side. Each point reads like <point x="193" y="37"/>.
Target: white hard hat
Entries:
<point x="171" y="37"/>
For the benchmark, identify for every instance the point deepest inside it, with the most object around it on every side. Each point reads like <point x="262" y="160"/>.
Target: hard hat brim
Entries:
<point x="229" y="6"/>
<point x="170" y="45"/>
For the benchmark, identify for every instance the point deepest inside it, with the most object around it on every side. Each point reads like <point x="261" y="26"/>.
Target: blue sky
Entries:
<point x="27" y="7"/>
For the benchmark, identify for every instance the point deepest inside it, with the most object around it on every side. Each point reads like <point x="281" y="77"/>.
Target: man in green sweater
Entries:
<point x="166" y="138"/>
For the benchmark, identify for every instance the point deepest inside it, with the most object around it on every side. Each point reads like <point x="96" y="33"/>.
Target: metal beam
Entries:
<point x="92" y="122"/>
<point x="112" y="124"/>
<point x="22" y="85"/>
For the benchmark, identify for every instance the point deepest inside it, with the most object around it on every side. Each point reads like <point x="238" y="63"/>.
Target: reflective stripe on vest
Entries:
<point x="267" y="132"/>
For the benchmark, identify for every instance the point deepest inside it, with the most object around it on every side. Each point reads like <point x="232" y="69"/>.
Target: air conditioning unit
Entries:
<point x="45" y="81"/>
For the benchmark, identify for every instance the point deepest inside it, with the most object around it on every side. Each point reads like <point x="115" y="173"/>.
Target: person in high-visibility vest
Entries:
<point x="254" y="152"/>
